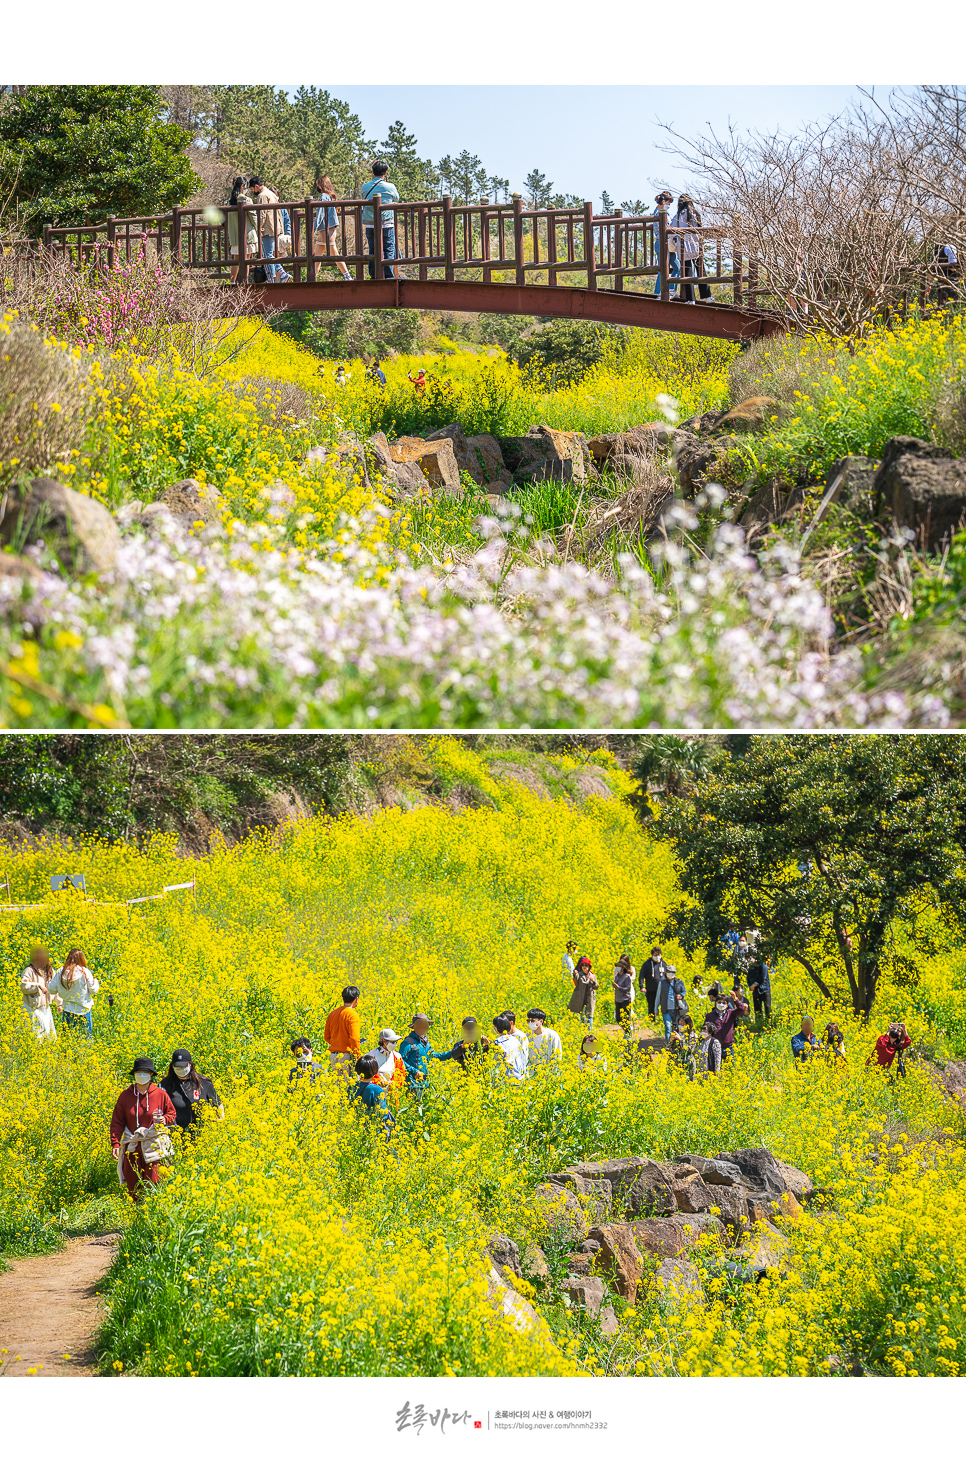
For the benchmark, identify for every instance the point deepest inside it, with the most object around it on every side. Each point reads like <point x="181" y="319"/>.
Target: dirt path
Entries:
<point x="48" y="1309"/>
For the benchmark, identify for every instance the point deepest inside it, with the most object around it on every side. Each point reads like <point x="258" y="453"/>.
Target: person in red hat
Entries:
<point x="142" y="1113"/>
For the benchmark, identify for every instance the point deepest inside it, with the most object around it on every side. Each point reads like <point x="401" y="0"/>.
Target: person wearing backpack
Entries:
<point x="671" y="999"/>
<point x="142" y="1114"/>
<point x="380" y="187"/>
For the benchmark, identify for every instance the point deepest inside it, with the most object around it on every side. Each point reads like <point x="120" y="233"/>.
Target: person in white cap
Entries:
<point x="391" y="1070"/>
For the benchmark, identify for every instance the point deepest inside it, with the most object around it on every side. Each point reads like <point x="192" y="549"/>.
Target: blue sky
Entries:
<point x="585" y="138"/>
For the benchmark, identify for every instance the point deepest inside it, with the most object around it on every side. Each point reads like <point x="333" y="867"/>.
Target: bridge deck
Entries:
<point x="502" y="258"/>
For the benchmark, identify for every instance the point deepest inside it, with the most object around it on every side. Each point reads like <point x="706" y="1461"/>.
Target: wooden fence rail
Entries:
<point x="428" y="240"/>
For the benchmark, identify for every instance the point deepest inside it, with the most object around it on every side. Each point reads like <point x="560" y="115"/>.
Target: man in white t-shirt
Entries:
<point x="514" y="1056"/>
<point x="569" y="960"/>
<point x="546" y="1047"/>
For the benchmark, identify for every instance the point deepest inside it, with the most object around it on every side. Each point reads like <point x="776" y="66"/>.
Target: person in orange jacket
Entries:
<point x="140" y="1113"/>
<point x="343" y="1030"/>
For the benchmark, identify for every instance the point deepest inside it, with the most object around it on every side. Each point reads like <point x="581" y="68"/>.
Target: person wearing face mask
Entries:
<point x="472" y="1050"/>
<point x="671" y="998"/>
<point x="708" y="1054"/>
<point x="390" y="1066"/>
<point x="650" y="977"/>
<point x="141" y="1116"/>
<point x="728" y="1010"/>
<point x="304" y="1066"/>
<point x="189" y="1090"/>
<point x="546" y="1047"/>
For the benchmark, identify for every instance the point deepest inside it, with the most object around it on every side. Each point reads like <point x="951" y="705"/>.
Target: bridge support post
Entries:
<point x="376" y="236"/>
<point x="590" y="257"/>
<point x="111" y="236"/>
<point x="663" y="254"/>
<point x="450" y="273"/>
<point x="518" y="239"/>
<point x="310" y="239"/>
<point x="174" y="236"/>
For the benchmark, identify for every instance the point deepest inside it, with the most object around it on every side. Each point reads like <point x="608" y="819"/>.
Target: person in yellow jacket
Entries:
<point x="343" y="1030"/>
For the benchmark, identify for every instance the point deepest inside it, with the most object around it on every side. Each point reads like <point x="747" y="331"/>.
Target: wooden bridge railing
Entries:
<point x="502" y="243"/>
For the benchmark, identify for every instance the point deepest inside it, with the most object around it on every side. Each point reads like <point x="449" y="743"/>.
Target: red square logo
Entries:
<point x="478" y="1425"/>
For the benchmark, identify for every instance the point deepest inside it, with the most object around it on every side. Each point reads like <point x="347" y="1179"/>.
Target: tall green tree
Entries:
<point x="539" y="189"/>
<point x="464" y="177"/>
<point x="823" y="843"/>
<point x="76" y="154"/>
<point x="414" y="176"/>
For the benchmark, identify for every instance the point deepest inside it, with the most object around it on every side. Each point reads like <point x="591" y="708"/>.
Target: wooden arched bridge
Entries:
<point x="497" y="258"/>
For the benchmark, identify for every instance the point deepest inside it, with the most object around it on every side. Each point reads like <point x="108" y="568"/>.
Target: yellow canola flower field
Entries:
<point x="292" y="1238"/>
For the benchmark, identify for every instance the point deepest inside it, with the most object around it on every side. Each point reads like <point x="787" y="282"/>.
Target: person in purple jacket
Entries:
<point x="728" y="1010"/>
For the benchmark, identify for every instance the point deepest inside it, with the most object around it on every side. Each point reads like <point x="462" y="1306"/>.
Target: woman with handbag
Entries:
<point x="327" y="222"/>
<point x="38" y="1000"/>
<point x="76" y="988"/>
<point x="189" y="1090"/>
<point x="139" y="1129"/>
<point x="584" y="997"/>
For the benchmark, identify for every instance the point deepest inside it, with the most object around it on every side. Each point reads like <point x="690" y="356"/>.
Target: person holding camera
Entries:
<point x="889" y="1048"/>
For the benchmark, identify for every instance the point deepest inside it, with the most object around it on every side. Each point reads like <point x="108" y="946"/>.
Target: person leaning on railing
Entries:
<point x="241" y="195"/>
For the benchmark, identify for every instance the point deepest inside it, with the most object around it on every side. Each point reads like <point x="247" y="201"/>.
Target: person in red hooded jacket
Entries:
<point x="140" y="1112"/>
<point x="890" y="1045"/>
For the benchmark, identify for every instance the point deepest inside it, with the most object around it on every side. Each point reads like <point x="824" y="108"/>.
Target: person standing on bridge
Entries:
<point x="327" y="221"/>
<point x="241" y="195"/>
<point x="662" y="203"/>
<point x="380" y="187"/>
<point x="268" y="228"/>
<point x="688" y="245"/>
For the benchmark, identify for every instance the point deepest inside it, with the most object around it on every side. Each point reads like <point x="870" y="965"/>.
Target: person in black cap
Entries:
<point x="188" y="1089"/>
<point x="472" y="1050"/>
<point x="141" y="1113"/>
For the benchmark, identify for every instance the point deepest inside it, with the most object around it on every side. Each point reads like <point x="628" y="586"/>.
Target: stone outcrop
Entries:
<point x="545" y="452"/>
<point x="479" y="456"/>
<point x="771" y="504"/>
<point x="436" y="460"/>
<point x="658" y="1210"/>
<point x="511" y="1304"/>
<point x="79" y="531"/>
<point x="923" y="487"/>
<point x="638" y="441"/>
<point x="699" y="461"/>
<point x="679" y="1277"/>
